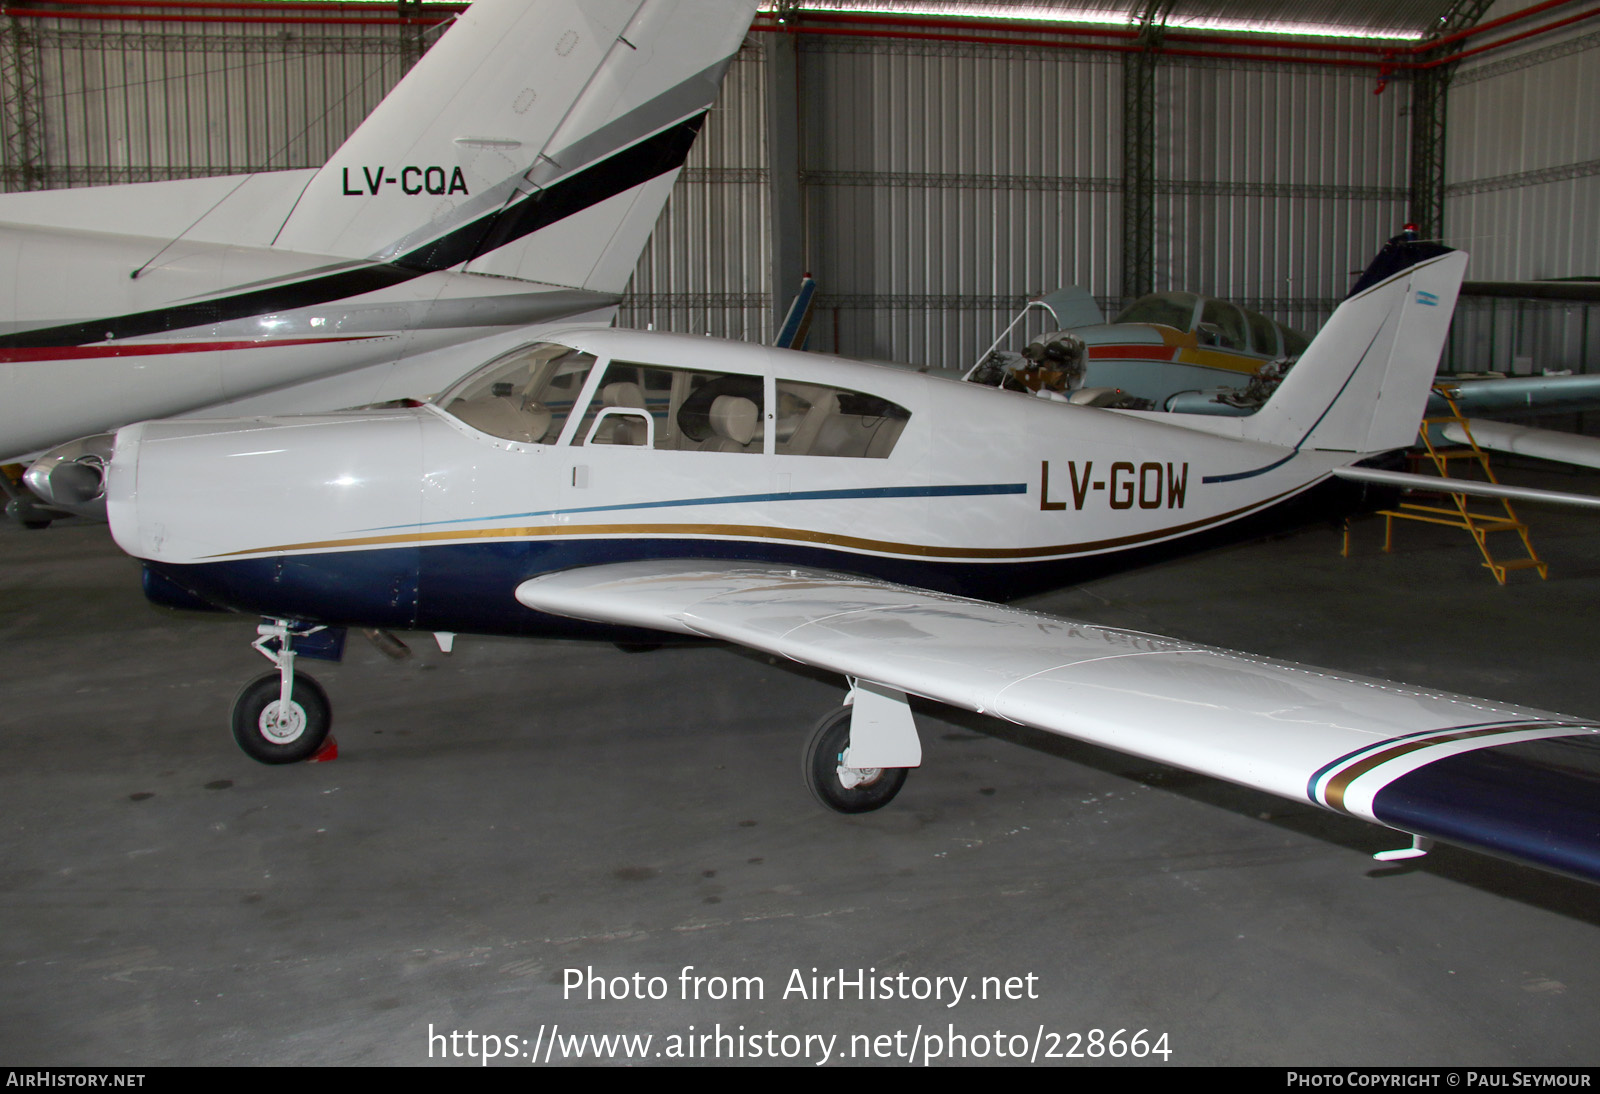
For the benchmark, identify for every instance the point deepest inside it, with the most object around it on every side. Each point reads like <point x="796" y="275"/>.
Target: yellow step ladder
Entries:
<point x="1479" y="525"/>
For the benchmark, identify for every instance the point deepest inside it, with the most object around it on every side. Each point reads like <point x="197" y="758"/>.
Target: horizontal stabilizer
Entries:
<point x="1507" y="780"/>
<point x="1408" y="481"/>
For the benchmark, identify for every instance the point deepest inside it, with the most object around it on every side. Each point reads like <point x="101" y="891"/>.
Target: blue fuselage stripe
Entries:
<point x="745" y="499"/>
<point x="1249" y="474"/>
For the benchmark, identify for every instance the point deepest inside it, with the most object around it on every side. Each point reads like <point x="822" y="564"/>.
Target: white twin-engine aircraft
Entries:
<point x="618" y="484"/>
<point x="511" y="178"/>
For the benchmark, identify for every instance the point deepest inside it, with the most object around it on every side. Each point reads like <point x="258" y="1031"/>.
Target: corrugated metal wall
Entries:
<point x="119" y="102"/>
<point x="708" y="262"/>
<point x="941" y="184"/>
<point x="1523" y="158"/>
<point x="1523" y="196"/>
<point x="1274" y="182"/>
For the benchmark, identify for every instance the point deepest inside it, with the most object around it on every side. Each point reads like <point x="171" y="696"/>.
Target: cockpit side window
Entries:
<point x="817" y="420"/>
<point x="525" y="396"/>
<point x="1263" y="334"/>
<point x="1294" y="343"/>
<point x="1229" y="322"/>
<point x="675" y="409"/>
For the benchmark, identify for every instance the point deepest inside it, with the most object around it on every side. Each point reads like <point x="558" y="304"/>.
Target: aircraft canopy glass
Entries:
<point x="1233" y="327"/>
<point x="524" y="396"/>
<point x="1170" y="309"/>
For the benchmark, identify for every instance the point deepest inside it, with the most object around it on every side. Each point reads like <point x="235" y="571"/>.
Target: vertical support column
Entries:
<point x="22" y="119"/>
<point x="1139" y="156"/>
<point x="413" y="37"/>
<point x="783" y="166"/>
<point x="1430" y="90"/>
<point x="1138" y="175"/>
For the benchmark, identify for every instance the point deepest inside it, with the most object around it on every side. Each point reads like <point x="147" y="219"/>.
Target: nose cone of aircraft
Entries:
<point x="188" y="491"/>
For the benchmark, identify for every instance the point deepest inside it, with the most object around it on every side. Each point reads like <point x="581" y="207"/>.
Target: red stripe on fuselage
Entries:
<point x="1147" y="352"/>
<point x="147" y="349"/>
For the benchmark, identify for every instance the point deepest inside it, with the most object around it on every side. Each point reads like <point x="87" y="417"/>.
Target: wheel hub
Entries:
<point x="852" y="778"/>
<point x="281" y="728"/>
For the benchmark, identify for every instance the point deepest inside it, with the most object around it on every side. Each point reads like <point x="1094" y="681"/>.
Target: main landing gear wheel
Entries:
<point x="845" y="789"/>
<point x="270" y="739"/>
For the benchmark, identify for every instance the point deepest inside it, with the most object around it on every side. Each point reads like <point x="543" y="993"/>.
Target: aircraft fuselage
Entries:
<point x="165" y="342"/>
<point x="412" y="518"/>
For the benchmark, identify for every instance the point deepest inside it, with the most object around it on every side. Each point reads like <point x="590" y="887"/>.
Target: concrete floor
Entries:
<point x="519" y="809"/>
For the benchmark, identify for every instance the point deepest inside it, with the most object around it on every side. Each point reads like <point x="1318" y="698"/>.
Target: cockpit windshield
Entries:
<point x="524" y="396"/>
<point x="1224" y="324"/>
<point x="1170" y="309"/>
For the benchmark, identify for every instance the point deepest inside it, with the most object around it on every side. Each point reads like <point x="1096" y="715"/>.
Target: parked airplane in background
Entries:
<point x="1159" y="345"/>
<point x="511" y="178"/>
<point x="618" y="484"/>
<point x="1194" y="354"/>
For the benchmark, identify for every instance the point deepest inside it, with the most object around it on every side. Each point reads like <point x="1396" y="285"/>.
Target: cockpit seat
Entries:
<point x="623" y="429"/>
<point x="735" y="425"/>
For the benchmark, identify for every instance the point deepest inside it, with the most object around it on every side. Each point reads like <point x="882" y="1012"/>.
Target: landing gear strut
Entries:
<point x="281" y="717"/>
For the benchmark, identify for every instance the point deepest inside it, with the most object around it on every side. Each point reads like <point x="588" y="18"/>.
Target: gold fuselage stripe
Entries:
<point x="753" y="531"/>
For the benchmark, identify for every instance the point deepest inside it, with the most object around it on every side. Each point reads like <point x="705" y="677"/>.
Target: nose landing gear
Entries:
<point x="282" y="717"/>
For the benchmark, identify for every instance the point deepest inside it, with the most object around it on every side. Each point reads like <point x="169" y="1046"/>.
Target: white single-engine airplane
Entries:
<point x="617" y="484"/>
<point x="511" y="178"/>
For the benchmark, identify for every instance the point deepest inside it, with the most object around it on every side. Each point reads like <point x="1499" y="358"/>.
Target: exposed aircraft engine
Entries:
<point x="1057" y="360"/>
<point x="1261" y="386"/>
<point x="72" y="476"/>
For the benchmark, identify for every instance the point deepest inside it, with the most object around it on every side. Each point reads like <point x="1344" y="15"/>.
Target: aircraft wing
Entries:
<point x="1512" y="781"/>
<point x="1543" y="444"/>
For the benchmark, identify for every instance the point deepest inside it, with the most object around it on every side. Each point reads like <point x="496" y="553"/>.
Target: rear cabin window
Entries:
<point x="525" y="396"/>
<point x="817" y="420"/>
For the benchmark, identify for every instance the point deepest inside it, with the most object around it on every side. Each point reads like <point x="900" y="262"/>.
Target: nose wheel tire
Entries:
<point x="845" y="789"/>
<point x="269" y="737"/>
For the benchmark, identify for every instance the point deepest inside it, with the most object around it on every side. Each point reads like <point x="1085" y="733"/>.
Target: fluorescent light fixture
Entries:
<point x="1105" y="17"/>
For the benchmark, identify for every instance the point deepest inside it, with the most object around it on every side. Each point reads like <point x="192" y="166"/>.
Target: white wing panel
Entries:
<point x="1543" y="444"/>
<point x="1267" y="724"/>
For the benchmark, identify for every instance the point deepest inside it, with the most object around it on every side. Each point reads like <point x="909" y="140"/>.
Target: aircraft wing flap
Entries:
<point x="1342" y="742"/>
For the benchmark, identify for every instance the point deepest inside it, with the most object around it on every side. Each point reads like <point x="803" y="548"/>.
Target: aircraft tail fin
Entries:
<point x="1363" y="383"/>
<point x="795" y="329"/>
<point x="534" y="140"/>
